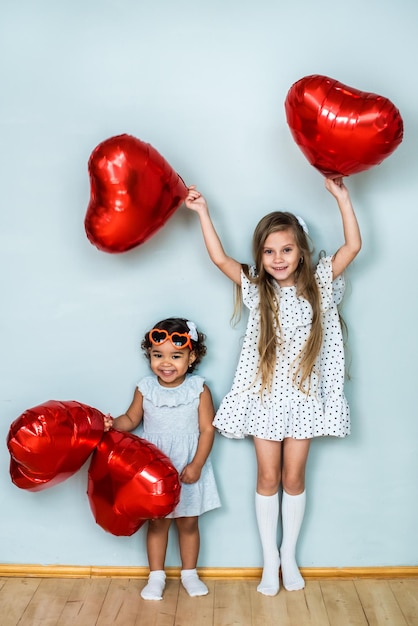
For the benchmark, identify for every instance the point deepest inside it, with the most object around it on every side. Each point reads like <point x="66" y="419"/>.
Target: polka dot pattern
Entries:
<point x="286" y="411"/>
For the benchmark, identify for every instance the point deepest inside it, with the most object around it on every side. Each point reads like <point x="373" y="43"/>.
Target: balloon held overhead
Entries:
<point x="339" y="129"/>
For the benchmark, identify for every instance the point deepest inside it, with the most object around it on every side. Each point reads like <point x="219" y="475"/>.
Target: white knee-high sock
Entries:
<point x="267" y="512"/>
<point x="293" y="510"/>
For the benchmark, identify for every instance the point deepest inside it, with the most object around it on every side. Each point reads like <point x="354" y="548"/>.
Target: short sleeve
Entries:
<point x="250" y="295"/>
<point x="332" y="291"/>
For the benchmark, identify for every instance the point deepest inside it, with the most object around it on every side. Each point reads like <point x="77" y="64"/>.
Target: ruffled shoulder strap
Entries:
<point x="185" y="393"/>
<point x="250" y="294"/>
<point x="331" y="291"/>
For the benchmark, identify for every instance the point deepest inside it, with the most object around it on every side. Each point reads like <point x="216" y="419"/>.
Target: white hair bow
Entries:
<point x="192" y="331"/>
<point x="303" y="224"/>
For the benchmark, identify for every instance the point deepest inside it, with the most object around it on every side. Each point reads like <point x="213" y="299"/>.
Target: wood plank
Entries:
<point x="232" y="603"/>
<point x="84" y="602"/>
<point x="290" y="607"/>
<point x="198" y="610"/>
<point x="342" y="603"/>
<point x="15" y="596"/>
<point x="269" y="610"/>
<point x="119" y="592"/>
<point x="47" y="602"/>
<point x="379" y="603"/>
<point x="406" y="593"/>
<point x="317" y="611"/>
<point x="130" y="606"/>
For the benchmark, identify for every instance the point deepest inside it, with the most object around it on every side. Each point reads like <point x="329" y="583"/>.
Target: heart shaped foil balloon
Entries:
<point x="133" y="193"/>
<point x="51" y="441"/>
<point x="25" y="479"/>
<point x="130" y="481"/>
<point x="341" y="130"/>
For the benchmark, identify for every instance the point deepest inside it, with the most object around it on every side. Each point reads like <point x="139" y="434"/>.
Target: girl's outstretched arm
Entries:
<point x="191" y="473"/>
<point x="352" y="238"/>
<point x="129" y="420"/>
<point x="229" y="266"/>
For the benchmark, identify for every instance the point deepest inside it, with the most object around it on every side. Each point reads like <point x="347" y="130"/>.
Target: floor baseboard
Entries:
<point x="225" y="573"/>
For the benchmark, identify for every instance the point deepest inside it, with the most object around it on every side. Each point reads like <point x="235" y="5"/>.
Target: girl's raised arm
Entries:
<point x="352" y="238"/>
<point x="229" y="266"/>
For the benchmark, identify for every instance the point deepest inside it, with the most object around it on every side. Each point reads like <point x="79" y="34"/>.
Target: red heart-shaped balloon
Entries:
<point x="25" y="479"/>
<point x="129" y="481"/>
<point x="51" y="441"/>
<point x="339" y="129"/>
<point x="133" y="193"/>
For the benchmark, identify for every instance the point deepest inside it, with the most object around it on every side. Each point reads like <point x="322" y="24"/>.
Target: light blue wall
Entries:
<point x="205" y="84"/>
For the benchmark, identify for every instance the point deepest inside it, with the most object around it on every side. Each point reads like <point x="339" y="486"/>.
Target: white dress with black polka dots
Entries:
<point x="286" y="411"/>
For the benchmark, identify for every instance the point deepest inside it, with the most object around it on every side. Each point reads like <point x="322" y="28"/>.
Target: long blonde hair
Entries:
<point x="269" y="338"/>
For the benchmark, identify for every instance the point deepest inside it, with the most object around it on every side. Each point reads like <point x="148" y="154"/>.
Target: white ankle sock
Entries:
<point x="267" y="512"/>
<point x="293" y="510"/>
<point x="155" y="587"/>
<point x="192" y="583"/>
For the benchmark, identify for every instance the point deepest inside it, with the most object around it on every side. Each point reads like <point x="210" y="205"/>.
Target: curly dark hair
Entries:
<point x="178" y="325"/>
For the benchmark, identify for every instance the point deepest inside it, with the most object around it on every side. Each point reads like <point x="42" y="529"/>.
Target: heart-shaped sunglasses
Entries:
<point x="158" y="336"/>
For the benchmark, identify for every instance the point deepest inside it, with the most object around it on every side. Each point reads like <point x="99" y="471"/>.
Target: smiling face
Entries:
<point x="169" y="364"/>
<point x="281" y="256"/>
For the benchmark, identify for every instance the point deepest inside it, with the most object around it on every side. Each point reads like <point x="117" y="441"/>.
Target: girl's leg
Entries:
<point x="267" y="510"/>
<point x="157" y="538"/>
<point x="189" y="543"/>
<point x="295" y="456"/>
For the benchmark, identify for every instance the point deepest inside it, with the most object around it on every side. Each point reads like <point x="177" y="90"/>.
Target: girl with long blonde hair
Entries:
<point x="289" y="383"/>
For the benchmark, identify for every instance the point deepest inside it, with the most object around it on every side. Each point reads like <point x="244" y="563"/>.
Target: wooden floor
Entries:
<point x="116" y="601"/>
